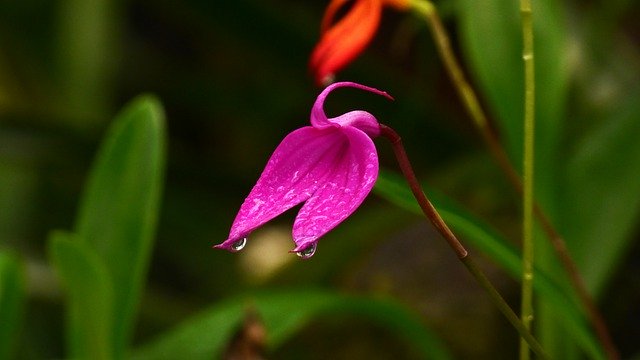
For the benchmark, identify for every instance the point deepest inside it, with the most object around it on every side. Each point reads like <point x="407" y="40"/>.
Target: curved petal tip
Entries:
<point x="226" y="245"/>
<point x="339" y="84"/>
<point x="302" y="246"/>
<point x="233" y="245"/>
<point x="319" y="118"/>
<point x="306" y="250"/>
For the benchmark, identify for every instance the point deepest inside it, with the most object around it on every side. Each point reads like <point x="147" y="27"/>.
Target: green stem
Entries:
<point x="526" y="310"/>
<point x="443" y="44"/>
<point x="434" y="217"/>
<point x="472" y="105"/>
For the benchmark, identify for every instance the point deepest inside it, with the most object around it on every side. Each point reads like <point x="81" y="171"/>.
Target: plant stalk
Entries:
<point x="476" y="113"/>
<point x="461" y="252"/>
<point x="526" y="308"/>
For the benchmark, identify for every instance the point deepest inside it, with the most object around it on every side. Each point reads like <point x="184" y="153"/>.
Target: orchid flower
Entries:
<point x="342" y="42"/>
<point x="331" y="166"/>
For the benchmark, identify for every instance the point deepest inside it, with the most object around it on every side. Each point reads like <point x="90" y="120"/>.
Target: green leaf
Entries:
<point x="394" y="188"/>
<point x="12" y="297"/>
<point x="120" y="206"/>
<point x="89" y="296"/>
<point x="601" y="194"/>
<point x="491" y="33"/>
<point x="369" y="226"/>
<point x="285" y="312"/>
<point x="495" y="247"/>
<point x="87" y="53"/>
<point x="492" y="37"/>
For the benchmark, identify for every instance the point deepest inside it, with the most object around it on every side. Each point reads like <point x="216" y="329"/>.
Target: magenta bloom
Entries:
<point x="331" y="166"/>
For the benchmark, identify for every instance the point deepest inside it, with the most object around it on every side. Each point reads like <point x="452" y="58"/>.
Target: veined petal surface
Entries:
<point x="353" y="175"/>
<point x="294" y="172"/>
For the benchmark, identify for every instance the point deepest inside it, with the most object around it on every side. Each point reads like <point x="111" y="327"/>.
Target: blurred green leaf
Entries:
<point x="491" y="33"/>
<point x="89" y="296"/>
<point x="12" y="296"/>
<point x="284" y="313"/>
<point x="203" y="337"/>
<point x="392" y="187"/>
<point x="120" y="206"/>
<point x="492" y="37"/>
<point x="369" y="226"/>
<point x="87" y="51"/>
<point x="601" y="194"/>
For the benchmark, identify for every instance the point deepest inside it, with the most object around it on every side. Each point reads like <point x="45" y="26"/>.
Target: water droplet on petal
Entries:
<point x="239" y="244"/>
<point x="308" y="251"/>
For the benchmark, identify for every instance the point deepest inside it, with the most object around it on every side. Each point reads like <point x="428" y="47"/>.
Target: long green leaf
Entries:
<point x="87" y="53"/>
<point x="89" y="296"/>
<point x="492" y="39"/>
<point x="495" y="247"/>
<point x="284" y="313"/>
<point x="12" y="296"/>
<point x="492" y="43"/>
<point x="601" y="194"/>
<point x="120" y="206"/>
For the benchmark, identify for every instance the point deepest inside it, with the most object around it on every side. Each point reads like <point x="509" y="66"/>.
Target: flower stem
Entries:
<point x="470" y="101"/>
<point x="526" y="308"/>
<point x="434" y="217"/>
<point x="453" y="68"/>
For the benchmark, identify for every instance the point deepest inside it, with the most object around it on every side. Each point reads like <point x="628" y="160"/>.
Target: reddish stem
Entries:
<point x="434" y="217"/>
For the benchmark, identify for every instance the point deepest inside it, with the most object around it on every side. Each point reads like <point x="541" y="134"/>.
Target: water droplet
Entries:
<point x="308" y="251"/>
<point x="239" y="244"/>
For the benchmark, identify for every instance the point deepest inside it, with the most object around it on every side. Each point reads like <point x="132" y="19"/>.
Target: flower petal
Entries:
<point x="359" y="119"/>
<point x="319" y="118"/>
<point x="327" y="18"/>
<point x="353" y="177"/>
<point x="294" y="172"/>
<point x="344" y="41"/>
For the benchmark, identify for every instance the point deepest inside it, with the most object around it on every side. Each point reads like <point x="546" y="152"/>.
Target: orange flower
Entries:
<point x="345" y="40"/>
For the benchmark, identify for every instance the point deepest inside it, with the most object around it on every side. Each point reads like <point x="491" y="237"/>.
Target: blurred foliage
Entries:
<point x="230" y="79"/>
<point x="284" y="313"/>
<point x="12" y="297"/>
<point x="104" y="262"/>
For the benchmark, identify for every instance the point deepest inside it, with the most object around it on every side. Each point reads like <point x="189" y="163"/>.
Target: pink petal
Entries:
<point x="359" y="119"/>
<point x="354" y="174"/>
<point x="294" y="172"/>
<point x="319" y="118"/>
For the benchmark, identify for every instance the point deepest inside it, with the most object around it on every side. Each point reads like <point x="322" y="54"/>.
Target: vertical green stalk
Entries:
<point x="443" y="45"/>
<point x="526" y="310"/>
<point x="470" y="101"/>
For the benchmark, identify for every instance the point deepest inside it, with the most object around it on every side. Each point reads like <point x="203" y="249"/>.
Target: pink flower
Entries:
<point x="331" y="166"/>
